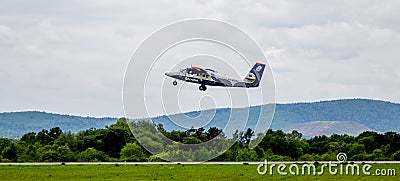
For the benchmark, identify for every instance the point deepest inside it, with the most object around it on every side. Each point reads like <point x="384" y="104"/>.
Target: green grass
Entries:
<point x="167" y="172"/>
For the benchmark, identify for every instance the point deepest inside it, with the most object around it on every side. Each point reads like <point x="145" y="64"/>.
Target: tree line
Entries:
<point x="116" y="143"/>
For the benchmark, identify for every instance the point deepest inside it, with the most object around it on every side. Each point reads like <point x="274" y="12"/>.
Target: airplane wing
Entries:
<point x="202" y="74"/>
<point x="200" y="70"/>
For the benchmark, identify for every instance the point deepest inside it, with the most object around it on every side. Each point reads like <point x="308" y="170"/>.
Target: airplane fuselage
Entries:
<point x="212" y="78"/>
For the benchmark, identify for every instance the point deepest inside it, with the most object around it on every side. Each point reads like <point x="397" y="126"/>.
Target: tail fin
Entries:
<point x="253" y="78"/>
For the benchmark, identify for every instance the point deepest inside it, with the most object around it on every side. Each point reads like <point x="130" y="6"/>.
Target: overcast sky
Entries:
<point x="70" y="56"/>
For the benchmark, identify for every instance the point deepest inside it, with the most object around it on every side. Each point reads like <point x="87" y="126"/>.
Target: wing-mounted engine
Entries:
<point x="201" y="73"/>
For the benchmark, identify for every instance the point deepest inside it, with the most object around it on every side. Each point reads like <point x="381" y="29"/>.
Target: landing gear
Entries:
<point x="203" y="88"/>
<point x="174" y="83"/>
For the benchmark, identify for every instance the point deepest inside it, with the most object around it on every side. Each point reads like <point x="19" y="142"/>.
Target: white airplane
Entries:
<point x="212" y="78"/>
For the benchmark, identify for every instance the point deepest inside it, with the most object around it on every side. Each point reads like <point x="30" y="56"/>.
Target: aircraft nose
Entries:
<point x="171" y="74"/>
<point x="168" y="74"/>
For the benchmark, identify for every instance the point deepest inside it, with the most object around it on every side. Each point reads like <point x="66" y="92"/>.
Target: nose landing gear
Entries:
<point x="202" y="88"/>
<point x="174" y="83"/>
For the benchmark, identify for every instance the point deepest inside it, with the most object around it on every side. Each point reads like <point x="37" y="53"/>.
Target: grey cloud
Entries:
<point x="70" y="56"/>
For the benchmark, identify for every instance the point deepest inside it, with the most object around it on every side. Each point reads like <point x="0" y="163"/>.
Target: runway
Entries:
<point x="190" y="163"/>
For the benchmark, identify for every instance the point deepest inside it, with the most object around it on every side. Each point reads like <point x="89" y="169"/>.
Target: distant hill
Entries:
<point x="378" y="115"/>
<point x="16" y="124"/>
<point x="374" y="115"/>
<point x="314" y="128"/>
<point x="351" y="116"/>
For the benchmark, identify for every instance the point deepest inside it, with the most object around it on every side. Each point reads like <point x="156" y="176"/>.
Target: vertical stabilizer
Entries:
<point x="253" y="78"/>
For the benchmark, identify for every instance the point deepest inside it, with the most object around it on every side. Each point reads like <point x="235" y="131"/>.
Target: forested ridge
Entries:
<point x="373" y="115"/>
<point x="116" y="143"/>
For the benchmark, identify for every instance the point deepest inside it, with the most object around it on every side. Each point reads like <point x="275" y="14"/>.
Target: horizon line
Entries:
<point x="117" y="117"/>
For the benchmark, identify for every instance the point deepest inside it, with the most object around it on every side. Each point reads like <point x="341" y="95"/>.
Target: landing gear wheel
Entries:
<point x="174" y="83"/>
<point x="202" y="88"/>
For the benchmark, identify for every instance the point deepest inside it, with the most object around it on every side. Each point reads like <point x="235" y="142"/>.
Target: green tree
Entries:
<point x="246" y="136"/>
<point x="355" y="149"/>
<point x="67" y="139"/>
<point x="133" y="152"/>
<point x="114" y="140"/>
<point x="31" y="154"/>
<point x="54" y="133"/>
<point x="260" y="152"/>
<point x="92" y="155"/>
<point x="66" y="155"/>
<point x="296" y="134"/>
<point x="319" y="145"/>
<point x="50" y="156"/>
<point x="396" y="156"/>
<point x="43" y="137"/>
<point x="212" y="132"/>
<point x="377" y="154"/>
<point x="29" y="138"/>
<point x="4" y="142"/>
<point x="369" y="143"/>
<point x="91" y="138"/>
<point x="307" y="157"/>
<point x="294" y="148"/>
<point x="10" y="152"/>
<point x="191" y="140"/>
<point x="246" y="155"/>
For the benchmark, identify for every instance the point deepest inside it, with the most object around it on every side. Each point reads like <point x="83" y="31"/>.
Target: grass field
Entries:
<point x="169" y="172"/>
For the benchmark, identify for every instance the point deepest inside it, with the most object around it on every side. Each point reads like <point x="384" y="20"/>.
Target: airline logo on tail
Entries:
<point x="258" y="68"/>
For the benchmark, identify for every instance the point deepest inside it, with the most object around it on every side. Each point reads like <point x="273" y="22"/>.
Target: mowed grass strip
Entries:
<point x="169" y="172"/>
